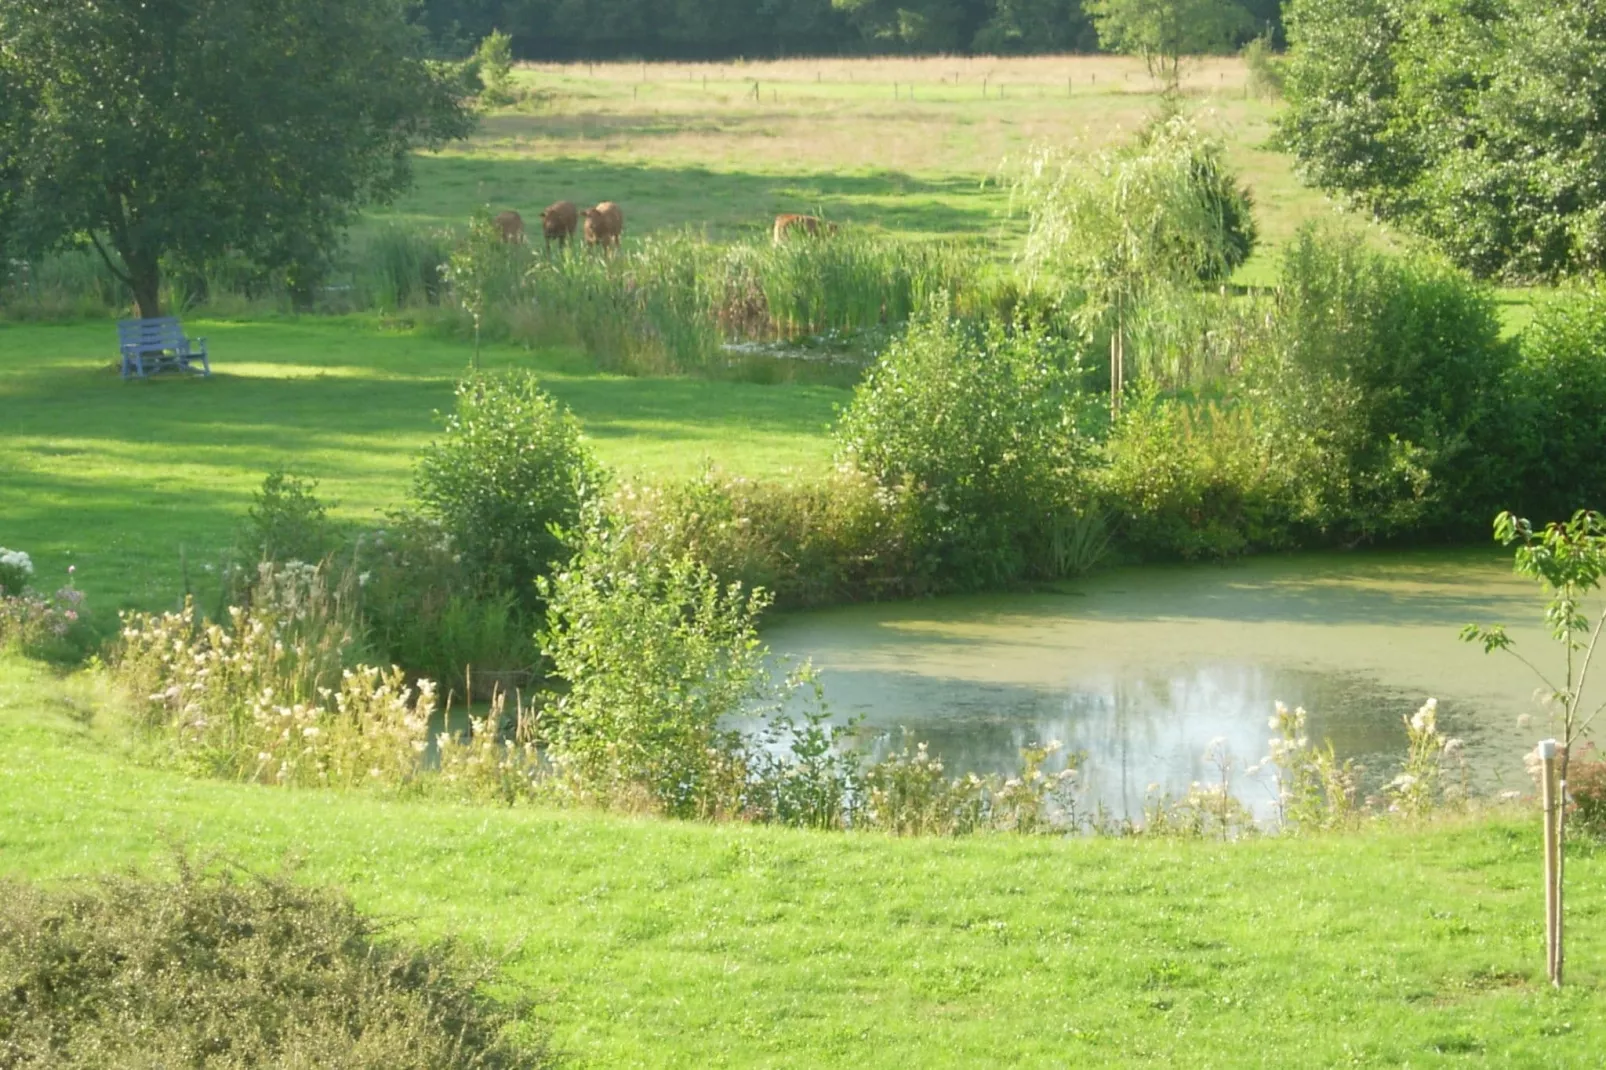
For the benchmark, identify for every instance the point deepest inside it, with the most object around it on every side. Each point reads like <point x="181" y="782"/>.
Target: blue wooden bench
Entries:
<point x="158" y="345"/>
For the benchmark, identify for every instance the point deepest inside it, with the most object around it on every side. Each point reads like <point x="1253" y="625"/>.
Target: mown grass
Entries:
<point x="122" y="478"/>
<point x="653" y="943"/>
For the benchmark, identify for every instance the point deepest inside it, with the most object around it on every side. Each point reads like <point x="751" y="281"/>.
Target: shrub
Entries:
<point x="50" y="628"/>
<point x="657" y="655"/>
<point x="494" y="57"/>
<point x="510" y="468"/>
<point x="232" y="969"/>
<point x="1266" y="67"/>
<point x="423" y="609"/>
<point x="1556" y="437"/>
<point x="1381" y="383"/>
<point x="837" y="539"/>
<point x="1194" y="480"/>
<point x="1586" y="784"/>
<point x="982" y="429"/>
<point x="16" y="570"/>
<point x="286" y="522"/>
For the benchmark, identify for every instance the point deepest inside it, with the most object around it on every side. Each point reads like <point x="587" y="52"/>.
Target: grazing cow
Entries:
<point x="604" y="224"/>
<point x="558" y="222"/>
<point x="811" y="225"/>
<point x="511" y="224"/>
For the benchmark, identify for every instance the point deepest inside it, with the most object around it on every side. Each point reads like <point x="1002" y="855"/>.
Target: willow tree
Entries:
<point x="1125" y="226"/>
<point x="178" y="130"/>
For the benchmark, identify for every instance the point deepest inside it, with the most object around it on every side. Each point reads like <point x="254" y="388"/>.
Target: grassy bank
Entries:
<point x="651" y="943"/>
<point x="116" y="477"/>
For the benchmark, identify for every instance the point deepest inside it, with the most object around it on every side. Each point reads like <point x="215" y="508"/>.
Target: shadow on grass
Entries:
<point x="726" y="203"/>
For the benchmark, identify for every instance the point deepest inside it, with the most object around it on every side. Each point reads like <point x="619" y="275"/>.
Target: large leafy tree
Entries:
<point x="1480" y="124"/>
<point x="178" y="130"/>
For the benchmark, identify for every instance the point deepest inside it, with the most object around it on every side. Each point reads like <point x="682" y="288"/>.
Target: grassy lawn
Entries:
<point x="116" y="477"/>
<point x="652" y="943"/>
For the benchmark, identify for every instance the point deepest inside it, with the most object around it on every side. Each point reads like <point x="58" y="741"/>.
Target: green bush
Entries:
<point x="983" y="429"/>
<point x="286" y="522"/>
<point x="510" y="469"/>
<point x="658" y="654"/>
<point x="1381" y="381"/>
<point x="1194" y="480"/>
<point x="234" y="970"/>
<point x="811" y="543"/>
<point x="423" y="609"/>
<point x="1556" y="436"/>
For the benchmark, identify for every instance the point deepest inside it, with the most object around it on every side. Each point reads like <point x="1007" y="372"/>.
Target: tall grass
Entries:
<point x="667" y="304"/>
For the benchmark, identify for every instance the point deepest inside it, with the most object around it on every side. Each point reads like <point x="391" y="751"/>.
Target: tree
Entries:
<point x="1569" y="561"/>
<point x="1481" y="126"/>
<point x="184" y="129"/>
<point x="1121" y="226"/>
<point x="1165" y="32"/>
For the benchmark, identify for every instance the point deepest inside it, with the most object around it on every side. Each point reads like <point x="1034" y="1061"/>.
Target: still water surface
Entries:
<point x="1143" y="668"/>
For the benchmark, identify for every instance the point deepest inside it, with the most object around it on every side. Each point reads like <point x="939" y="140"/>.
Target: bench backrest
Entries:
<point x="163" y="332"/>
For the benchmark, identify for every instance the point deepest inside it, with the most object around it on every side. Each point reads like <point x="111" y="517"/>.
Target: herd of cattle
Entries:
<point x="605" y="224"/>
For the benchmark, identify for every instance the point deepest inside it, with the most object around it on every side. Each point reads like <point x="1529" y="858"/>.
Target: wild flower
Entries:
<point x="1419" y="787"/>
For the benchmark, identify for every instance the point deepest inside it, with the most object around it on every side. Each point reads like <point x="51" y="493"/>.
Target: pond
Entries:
<point x="1143" y="668"/>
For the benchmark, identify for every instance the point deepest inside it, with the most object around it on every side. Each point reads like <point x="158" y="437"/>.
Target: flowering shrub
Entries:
<point x="1315" y="790"/>
<point x="16" y="569"/>
<point x="1420" y="787"/>
<point x="908" y="793"/>
<point x="48" y="627"/>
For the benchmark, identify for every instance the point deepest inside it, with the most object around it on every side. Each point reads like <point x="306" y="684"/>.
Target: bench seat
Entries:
<point x="152" y="346"/>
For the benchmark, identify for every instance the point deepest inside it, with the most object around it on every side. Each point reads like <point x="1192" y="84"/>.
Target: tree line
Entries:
<point x="727" y="29"/>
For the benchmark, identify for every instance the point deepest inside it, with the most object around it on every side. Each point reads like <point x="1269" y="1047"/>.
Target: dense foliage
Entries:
<point x="1477" y="125"/>
<point x="984" y="430"/>
<point x="169" y="135"/>
<point x="232" y="970"/>
<point x="726" y="29"/>
<point x="509" y="472"/>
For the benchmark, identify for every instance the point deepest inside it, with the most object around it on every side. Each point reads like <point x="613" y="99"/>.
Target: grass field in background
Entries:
<point x="115" y="477"/>
<point x="909" y="145"/>
<point x="666" y="944"/>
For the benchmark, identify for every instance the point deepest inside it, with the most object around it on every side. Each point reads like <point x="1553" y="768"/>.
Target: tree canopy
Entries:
<point x="178" y="130"/>
<point x="1479" y="125"/>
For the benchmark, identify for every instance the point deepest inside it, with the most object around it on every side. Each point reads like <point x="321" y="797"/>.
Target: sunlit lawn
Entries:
<point x="124" y="478"/>
<point x="664" y="944"/>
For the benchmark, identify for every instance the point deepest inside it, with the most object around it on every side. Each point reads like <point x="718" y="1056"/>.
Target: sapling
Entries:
<point x="1569" y="560"/>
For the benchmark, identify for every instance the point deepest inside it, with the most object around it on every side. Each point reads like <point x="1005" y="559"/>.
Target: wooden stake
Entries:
<point x="1547" y="797"/>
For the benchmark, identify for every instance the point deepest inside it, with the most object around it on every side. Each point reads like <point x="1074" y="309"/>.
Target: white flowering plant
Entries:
<point x="16" y="571"/>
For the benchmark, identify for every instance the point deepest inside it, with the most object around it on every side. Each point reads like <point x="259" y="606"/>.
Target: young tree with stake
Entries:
<point x="1569" y="561"/>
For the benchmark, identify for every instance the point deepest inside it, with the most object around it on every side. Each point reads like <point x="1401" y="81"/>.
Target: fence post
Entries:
<point x="1547" y="798"/>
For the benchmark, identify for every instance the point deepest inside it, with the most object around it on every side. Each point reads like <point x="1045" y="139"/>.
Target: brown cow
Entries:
<point x="511" y="224"/>
<point x="558" y="222"/>
<point x="811" y="225"/>
<point x="604" y="224"/>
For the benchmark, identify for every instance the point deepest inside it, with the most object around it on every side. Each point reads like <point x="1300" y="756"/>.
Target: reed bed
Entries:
<point x="670" y="303"/>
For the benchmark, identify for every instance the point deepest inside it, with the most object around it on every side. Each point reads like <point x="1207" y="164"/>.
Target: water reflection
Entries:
<point x="1142" y="670"/>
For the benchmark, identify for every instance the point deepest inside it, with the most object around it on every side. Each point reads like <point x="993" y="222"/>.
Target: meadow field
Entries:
<point x="918" y="146"/>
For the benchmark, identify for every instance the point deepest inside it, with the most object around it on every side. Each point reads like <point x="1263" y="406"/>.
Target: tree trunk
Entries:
<point x="145" y="279"/>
